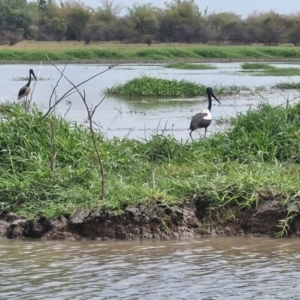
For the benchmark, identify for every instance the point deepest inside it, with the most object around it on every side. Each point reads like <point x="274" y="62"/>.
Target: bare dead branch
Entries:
<point x="66" y="94"/>
<point x="95" y="108"/>
<point x="90" y="120"/>
<point x="56" y="85"/>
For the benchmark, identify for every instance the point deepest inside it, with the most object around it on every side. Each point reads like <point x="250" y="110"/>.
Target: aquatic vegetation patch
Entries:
<point x="255" y="66"/>
<point x="287" y="85"/>
<point x="263" y="69"/>
<point x="186" y="66"/>
<point x="146" y="86"/>
<point x="281" y="72"/>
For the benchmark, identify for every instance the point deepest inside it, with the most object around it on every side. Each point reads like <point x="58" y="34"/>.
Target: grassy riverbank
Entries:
<point x="29" y="51"/>
<point x="257" y="158"/>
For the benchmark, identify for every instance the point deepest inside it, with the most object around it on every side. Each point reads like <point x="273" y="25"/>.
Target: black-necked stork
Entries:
<point x="203" y="119"/>
<point x="25" y="90"/>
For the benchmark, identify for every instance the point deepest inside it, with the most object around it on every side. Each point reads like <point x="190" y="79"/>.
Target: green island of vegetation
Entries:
<point x="186" y="66"/>
<point x="151" y="87"/>
<point x="268" y="70"/>
<point x="259" y="156"/>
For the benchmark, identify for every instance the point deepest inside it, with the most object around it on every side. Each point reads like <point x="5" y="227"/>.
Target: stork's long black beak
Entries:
<point x="215" y="97"/>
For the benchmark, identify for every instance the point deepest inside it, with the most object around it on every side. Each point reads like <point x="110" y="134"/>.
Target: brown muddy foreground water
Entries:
<point x="207" y="268"/>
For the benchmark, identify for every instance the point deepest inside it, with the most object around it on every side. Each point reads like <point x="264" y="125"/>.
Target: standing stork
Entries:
<point x="25" y="90"/>
<point x="203" y="119"/>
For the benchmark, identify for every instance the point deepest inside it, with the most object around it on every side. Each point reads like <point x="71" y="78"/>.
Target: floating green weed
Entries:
<point x="287" y="85"/>
<point x="268" y="70"/>
<point x="255" y="66"/>
<point x="186" y="66"/>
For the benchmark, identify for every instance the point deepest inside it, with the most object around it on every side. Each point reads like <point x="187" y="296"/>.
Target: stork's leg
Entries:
<point x="205" y="129"/>
<point x="191" y="134"/>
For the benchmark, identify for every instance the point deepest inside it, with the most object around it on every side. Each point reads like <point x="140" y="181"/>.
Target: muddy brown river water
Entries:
<point x="207" y="268"/>
<point x="139" y="118"/>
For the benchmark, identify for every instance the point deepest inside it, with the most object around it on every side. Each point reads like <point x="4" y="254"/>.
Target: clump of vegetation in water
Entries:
<point x="268" y="70"/>
<point x="281" y="72"/>
<point x="146" y="86"/>
<point x="186" y="66"/>
<point x="255" y="66"/>
<point x="259" y="156"/>
<point x="287" y="85"/>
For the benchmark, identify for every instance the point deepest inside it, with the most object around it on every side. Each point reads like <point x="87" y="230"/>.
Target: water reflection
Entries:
<point x="135" y="118"/>
<point x="220" y="268"/>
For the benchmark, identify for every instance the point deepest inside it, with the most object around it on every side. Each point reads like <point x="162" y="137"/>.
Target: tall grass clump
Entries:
<point x="267" y="134"/>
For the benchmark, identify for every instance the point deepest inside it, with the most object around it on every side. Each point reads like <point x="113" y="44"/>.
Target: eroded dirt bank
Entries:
<point x="157" y="222"/>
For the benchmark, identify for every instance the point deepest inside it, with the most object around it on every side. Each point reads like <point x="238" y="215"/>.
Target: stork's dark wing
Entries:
<point x="22" y="91"/>
<point x="197" y="120"/>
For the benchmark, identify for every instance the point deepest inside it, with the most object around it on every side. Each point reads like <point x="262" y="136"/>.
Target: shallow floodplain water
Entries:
<point x="139" y="118"/>
<point x="207" y="268"/>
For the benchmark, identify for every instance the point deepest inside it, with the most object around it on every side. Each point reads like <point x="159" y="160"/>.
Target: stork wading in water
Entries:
<point x="25" y="90"/>
<point x="203" y="119"/>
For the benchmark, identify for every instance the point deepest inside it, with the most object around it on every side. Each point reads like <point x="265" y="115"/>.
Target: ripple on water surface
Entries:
<point x="220" y="268"/>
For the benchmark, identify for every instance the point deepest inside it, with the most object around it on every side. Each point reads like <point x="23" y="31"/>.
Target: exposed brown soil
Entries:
<point x="157" y="222"/>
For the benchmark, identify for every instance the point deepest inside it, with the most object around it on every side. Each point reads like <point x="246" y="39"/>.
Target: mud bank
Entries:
<point x="143" y="222"/>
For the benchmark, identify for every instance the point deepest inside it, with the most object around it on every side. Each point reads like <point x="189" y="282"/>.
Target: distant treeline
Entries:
<point x="181" y="21"/>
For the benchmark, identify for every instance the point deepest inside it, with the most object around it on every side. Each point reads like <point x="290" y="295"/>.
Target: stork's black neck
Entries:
<point x="29" y="81"/>
<point x="209" y="102"/>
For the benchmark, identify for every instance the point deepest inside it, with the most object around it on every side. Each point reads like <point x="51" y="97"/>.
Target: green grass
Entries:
<point x="287" y="85"/>
<point x="259" y="156"/>
<point x="185" y="66"/>
<point x="151" y="87"/>
<point x="255" y="66"/>
<point x="106" y="52"/>
<point x="281" y="72"/>
<point x="263" y="69"/>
